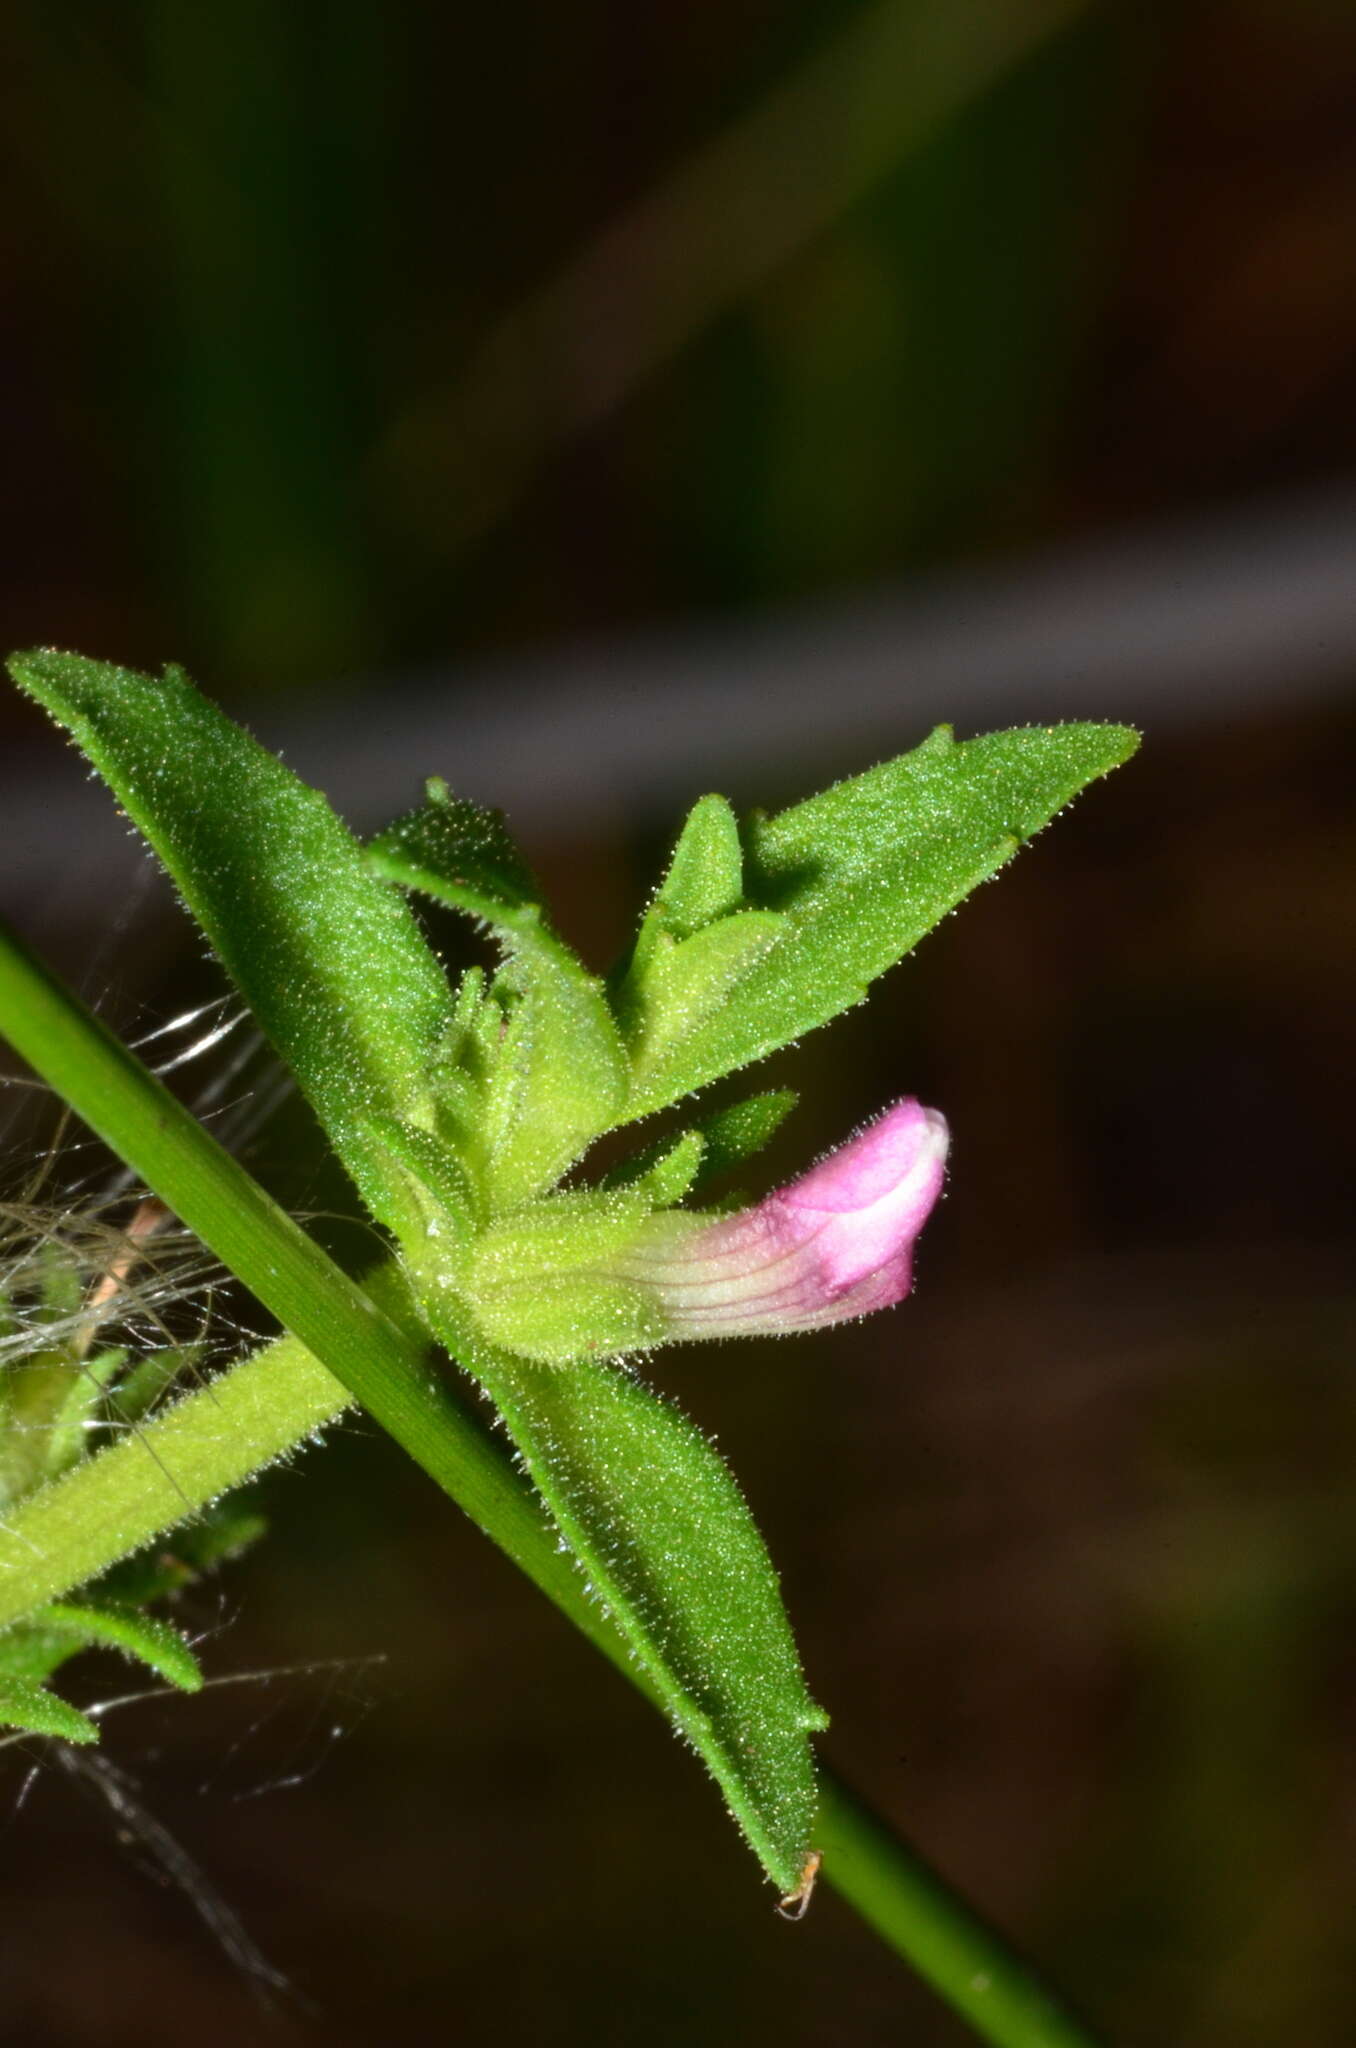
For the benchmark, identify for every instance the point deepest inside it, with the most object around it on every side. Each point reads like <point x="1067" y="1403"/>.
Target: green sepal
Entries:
<point x="327" y="955"/>
<point x="740" y="1131"/>
<point x="579" y="1315"/>
<point x="663" y="1172"/>
<point x="35" y="1711"/>
<point x="857" y="876"/>
<point x="670" y="1168"/>
<point x="535" y="1285"/>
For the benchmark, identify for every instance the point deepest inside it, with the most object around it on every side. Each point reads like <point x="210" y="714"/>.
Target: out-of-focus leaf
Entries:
<point x="36" y="1711"/>
<point x="140" y="1636"/>
<point x="68" y="1433"/>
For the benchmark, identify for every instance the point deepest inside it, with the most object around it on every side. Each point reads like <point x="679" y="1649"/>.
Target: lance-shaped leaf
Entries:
<point x="667" y="1544"/>
<point x="854" y="878"/>
<point x="555" y="1075"/>
<point x="327" y="955"/>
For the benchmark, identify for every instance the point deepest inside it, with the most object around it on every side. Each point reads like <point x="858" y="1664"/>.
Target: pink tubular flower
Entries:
<point x="834" y="1244"/>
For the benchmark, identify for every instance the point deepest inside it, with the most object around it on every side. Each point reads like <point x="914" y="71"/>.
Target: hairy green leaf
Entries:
<point x="856" y="877"/>
<point x="558" y="1076"/>
<point x="673" y="1166"/>
<point x="459" y="854"/>
<point x="666" y="1542"/>
<point x="328" y="957"/>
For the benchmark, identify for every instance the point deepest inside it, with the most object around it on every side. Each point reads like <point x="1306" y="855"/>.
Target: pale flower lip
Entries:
<point x="834" y="1244"/>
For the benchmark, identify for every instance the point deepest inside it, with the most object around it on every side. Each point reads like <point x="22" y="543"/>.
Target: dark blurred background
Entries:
<point x="594" y="407"/>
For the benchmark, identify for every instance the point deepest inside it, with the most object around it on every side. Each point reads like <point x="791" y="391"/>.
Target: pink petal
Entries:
<point x="834" y="1244"/>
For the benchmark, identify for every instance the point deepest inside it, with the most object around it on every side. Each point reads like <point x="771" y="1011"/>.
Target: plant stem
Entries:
<point x="911" y="1907"/>
<point x="260" y="1408"/>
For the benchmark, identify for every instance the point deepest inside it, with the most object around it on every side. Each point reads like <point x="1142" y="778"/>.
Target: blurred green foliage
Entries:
<point x="753" y="306"/>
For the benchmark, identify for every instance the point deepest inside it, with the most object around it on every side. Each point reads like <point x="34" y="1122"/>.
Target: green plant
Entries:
<point x="464" y="1118"/>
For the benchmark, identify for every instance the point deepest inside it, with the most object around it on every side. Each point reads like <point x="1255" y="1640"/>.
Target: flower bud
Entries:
<point x="834" y="1244"/>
